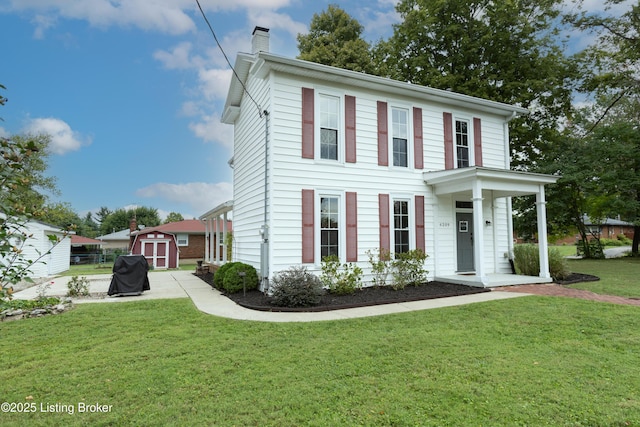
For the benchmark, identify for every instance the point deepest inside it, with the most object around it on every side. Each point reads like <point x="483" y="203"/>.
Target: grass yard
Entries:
<point x="106" y="268"/>
<point x="526" y="361"/>
<point x="618" y="276"/>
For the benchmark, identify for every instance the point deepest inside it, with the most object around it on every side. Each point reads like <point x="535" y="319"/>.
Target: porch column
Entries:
<point x="215" y="241"/>
<point x="211" y="259"/>
<point x="478" y="232"/>
<point x="224" y="238"/>
<point x="206" y="236"/>
<point x="542" y="233"/>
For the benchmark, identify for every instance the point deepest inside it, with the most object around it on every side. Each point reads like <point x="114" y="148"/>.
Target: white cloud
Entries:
<point x="4" y="133"/>
<point x="177" y="58"/>
<point x="214" y="83"/>
<point x="63" y="138"/>
<point x="210" y="129"/>
<point x="274" y="20"/>
<point x="199" y="196"/>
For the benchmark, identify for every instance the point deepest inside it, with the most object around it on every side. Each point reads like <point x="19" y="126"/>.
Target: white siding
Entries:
<point x="51" y="259"/>
<point x="289" y="174"/>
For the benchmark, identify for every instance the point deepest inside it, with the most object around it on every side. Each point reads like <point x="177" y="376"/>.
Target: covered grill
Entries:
<point x="129" y="276"/>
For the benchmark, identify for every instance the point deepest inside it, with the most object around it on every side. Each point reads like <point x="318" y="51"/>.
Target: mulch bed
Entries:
<point x="369" y="296"/>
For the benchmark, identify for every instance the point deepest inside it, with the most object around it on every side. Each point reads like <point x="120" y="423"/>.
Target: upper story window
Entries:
<point x="462" y="143"/>
<point x="329" y="226"/>
<point x="400" y="136"/>
<point x="329" y="115"/>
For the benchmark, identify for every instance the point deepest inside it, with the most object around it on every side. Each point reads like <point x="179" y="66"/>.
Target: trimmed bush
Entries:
<point x="233" y="282"/>
<point x="341" y="279"/>
<point x="408" y="269"/>
<point x="296" y="287"/>
<point x="527" y="262"/>
<point x="218" y="276"/>
<point x="78" y="286"/>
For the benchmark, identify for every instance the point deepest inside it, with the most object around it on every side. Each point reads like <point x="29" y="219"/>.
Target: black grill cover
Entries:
<point x="129" y="275"/>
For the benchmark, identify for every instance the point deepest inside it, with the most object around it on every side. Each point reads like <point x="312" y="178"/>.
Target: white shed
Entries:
<point x="55" y="257"/>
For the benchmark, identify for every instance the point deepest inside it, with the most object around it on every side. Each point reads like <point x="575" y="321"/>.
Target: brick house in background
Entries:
<point x="167" y="245"/>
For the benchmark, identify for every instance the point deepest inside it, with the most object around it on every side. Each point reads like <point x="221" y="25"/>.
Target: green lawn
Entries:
<point x="525" y="361"/>
<point x="105" y="268"/>
<point x="618" y="276"/>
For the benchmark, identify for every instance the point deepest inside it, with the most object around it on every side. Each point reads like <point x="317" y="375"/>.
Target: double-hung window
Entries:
<point x="329" y="226"/>
<point x="400" y="135"/>
<point x="462" y="143"/>
<point x="329" y="110"/>
<point x="401" y="226"/>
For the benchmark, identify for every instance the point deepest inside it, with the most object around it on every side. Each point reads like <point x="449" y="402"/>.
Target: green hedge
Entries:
<point x="233" y="282"/>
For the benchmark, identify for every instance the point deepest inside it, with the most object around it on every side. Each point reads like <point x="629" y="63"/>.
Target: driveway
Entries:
<point x="617" y="251"/>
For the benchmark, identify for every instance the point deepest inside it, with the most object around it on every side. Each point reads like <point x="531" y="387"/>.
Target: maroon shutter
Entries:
<point x="308" y="215"/>
<point x="383" y="208"/>
<point x="477" y="140"/>
<point x="448" y="140"/>
<point x="419" y="202"/>
<point x="350" y="128"/>
<point x="418" y="155"/>
<point x="307" y="123"/>
<point x="352" y="226"/>
<point x="383" y="135"/>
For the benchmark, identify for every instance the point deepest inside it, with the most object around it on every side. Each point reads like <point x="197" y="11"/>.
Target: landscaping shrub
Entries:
<point x="527" y="262"/>
<point x="78" y="286"/>
<point x="341" y="279"/>
<point x="408" y="269"/>
<point x="218" y="276"/>
<point x="233" y="282"/>
<point x="296" y="287"/>
<point x="380" y="261"/>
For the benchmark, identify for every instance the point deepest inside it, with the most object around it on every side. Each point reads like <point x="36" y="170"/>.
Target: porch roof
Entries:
<point x="503" y="183"/>
<point x="218" y="211"/>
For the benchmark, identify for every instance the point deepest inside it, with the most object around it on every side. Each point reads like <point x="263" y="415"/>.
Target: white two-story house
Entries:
<point x="330" y="161"/>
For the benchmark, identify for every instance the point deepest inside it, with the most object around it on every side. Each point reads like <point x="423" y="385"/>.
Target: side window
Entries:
<point x="329" y="115"/>
<point x="401" y="226"/>
<point x="400" y="136"/>
<point x="329" y="226"/>
<point x="183" y="239"/>
<point x="462" y="143"/>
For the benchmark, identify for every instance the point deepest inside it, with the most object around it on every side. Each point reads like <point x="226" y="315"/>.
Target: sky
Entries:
<point x="132" y="91"/>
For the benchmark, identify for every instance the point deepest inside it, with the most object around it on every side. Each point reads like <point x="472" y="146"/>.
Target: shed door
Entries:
<point x="157" y="252"/>
<point x="464" y="240"/>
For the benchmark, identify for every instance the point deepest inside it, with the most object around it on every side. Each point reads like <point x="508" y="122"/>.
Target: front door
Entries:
<point x="464" y="240"/>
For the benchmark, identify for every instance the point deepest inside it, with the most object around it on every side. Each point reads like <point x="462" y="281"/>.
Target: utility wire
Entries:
<point x="227" y="59"/>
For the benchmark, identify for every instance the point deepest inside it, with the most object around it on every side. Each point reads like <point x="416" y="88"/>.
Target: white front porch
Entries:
<point x="472" y="185"/>
<point x="492" y="280"/>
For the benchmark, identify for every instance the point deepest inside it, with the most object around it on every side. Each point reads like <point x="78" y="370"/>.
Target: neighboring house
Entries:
<point x="116" y="240"/>
<point x="330" y="161"/>
<point x="166" y="245"/>
<point x="609" y="228"/>
<point x="53" y="258"/>
<point x="85" y="250"/>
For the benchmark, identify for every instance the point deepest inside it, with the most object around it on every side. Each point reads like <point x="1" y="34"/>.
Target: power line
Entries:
<point x="227" y="59"/>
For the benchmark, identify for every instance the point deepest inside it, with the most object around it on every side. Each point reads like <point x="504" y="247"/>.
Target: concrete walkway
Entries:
<point x="183" y="284"/>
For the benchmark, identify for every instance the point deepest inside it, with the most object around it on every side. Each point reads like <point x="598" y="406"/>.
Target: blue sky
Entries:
<point x="132" y="90"/>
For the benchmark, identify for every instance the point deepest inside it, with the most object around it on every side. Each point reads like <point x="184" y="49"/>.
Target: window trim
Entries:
<point x="320" y="93"/>
<point x="412" y="220"/>
<point x="408" y="109"/>
<point x="342" y="226"/>
<point x="470" y="140"/>
<point x="182" y="235"/>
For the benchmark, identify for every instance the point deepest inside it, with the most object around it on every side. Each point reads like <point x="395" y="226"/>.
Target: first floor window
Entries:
<point x="329" y="226"/>
<point x="183" y="239"/>
<point x="401" y="226"/>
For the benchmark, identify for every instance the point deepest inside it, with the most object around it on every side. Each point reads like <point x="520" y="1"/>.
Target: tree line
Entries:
<point x="523" y="53"/>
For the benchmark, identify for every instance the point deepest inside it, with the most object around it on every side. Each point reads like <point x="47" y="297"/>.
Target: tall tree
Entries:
<point x="102" y="213"/>
<point x="335" y="38"/>
<point x="503" y="51"/>
<point x="173" y="217"/>
<point x="120" y="219"/>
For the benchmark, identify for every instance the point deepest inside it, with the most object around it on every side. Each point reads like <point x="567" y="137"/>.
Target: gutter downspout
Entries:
<point x="507" y="165"/>
<point x="264" y="230"/>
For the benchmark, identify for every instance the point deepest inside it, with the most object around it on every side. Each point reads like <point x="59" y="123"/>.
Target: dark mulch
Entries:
<point x="257" y="300"/>
<point x="577" y="278"/>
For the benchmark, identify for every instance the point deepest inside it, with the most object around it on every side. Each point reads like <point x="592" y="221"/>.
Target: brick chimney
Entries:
<point x="133" y="226"/>
<point x="260" y="40"/>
